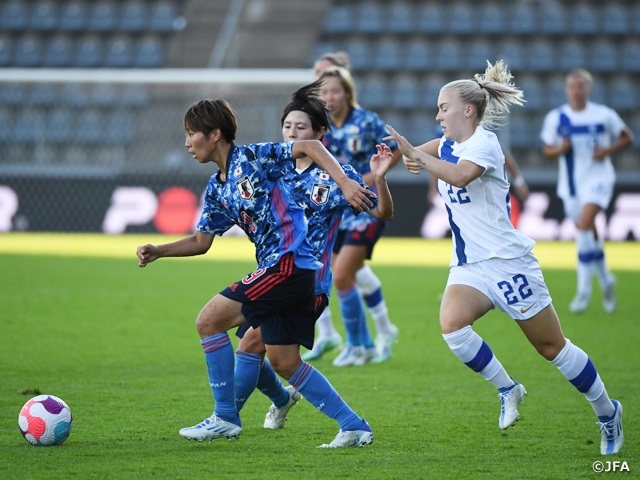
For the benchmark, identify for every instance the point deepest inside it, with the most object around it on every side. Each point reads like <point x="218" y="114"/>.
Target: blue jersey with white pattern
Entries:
<point x="255" y="197"/>
<point x="323" y="203"/>
<point x="354" y="143"/>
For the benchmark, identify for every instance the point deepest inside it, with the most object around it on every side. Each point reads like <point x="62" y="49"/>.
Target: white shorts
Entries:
<point x="598" y="192"/>
<point x="515" y="286"/>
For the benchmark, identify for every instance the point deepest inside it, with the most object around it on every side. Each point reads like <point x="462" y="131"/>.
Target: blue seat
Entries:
<point x="6" y="127"/>
<point x="635" y="128"/>
<point x="598" y="93"/>
<point x="339" y="19"/>
<point x="388" y="55"/>
<point x="14" y="16"/>
<point x="631" y="57"/>
<point x="405" y="93"/>
<point x="12" y="94"/>
<point x="523" y="20"/>
<point x="542" y="57"/>
<point x="119" y="52"/>
<point x="42" y="94"/>
<point x="74" y="95"/>
<point x="521" y="134"/>
<point x="635" y="25"/>
<point x="401" y="19"/>
<point x="150" y="53"/>
<point x="59" y="126"/>
<point x="420" y="128"/>
<point x="556" y="95"/>
<point x="431" y="90"/>
<point x="514" y="55"/>
<point x="59" y="52"/>
<point x="74" y="16"/>
<point x="623" y="95"/>
<point x="359" y="54"/>
<point x="6" y="50"/>
<point x="584" y="20"/>
<point x="573" y="55"/>
<point x="553" y="20"/>
<point x="418" y="57"/>
<point x="371" y="19"/>
<point x="90" y="127"/>
<point x="462" y="19"/>
<point x="29" y="126"/>
<point x="104" y="16"/>
<point x="604" y="57"/>
<point x="120" y="127"/>
<point x="134" y="17"/>
<point x="320" y="49"/>
<point x="397" y="120"/>
<point x="477" y="56"/>
<point x="89" y="52"/>
<point x="103" y="95"/>
<point x="374" y="93"/>
<point x="615" y="20"/>
<point x="533" y="93"/>
<point x="448" y="56"/>
<point x="492" y="19"/>
<point x="44" y="16"/>
<point x="162" y="17"/>
<point x="28" y="52"/>
<point x="133" y="95"/>
<point x="432" y="19"/>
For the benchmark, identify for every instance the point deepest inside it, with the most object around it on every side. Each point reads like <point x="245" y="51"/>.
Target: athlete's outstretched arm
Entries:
<point x="380" y="164"/>
<point x="197" y="244"/>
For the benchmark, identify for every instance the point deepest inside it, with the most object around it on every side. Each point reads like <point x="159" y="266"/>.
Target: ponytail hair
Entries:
<point x="307" y="100"/>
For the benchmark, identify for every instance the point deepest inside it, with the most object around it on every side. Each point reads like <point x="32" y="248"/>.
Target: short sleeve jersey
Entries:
<point x="324" y="204"/>
<point x="354" y="143"/>
<point x="595" y="125"/>
<point x="255" y="197"/>
<point x="479" y="214"/>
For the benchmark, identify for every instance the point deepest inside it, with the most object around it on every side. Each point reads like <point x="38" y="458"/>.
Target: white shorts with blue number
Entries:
<point x="515" y="286"/>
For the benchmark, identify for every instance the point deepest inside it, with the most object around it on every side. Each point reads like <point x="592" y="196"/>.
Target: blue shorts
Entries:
<point x="366" y="236"/>
<point x="280" y="300"/>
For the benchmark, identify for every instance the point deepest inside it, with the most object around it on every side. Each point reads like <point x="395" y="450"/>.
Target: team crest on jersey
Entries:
<point x="245" y="188"/>
<point x="320" y="194"/>
<point x="354" y="144"/>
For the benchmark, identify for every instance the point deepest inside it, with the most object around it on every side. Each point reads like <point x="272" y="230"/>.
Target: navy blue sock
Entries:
<point x="218" y="353"/>
<point x="271" y="386"/>
<point x="246" y="376"/>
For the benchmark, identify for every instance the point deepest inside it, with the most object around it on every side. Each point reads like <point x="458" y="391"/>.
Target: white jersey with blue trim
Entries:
<point x="479" y="214"/>
<point x="594" y="125"/>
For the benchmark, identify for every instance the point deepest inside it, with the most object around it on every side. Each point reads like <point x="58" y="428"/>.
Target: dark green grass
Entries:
<point x="119" y="345"/>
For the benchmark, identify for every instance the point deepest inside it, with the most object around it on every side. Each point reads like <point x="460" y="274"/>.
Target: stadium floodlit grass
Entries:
<point x="118" y="344"/>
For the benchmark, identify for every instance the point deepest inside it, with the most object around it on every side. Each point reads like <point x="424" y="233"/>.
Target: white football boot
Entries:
<point x="277" y="416"/>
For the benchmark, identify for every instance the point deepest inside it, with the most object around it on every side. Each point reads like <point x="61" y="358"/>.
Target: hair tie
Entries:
<point x="480" y="85"/>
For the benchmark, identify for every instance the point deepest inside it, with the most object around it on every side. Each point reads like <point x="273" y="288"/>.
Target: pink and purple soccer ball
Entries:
<point x="45" y="420"/>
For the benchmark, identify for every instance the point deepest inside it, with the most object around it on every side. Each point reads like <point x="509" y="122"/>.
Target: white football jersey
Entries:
<point x="594" y="125"/>
<point x="479" y="213"/>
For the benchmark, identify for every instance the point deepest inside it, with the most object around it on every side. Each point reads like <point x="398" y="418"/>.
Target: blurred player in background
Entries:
<point x="583" y="135"/>
<point x="249" y="190"/>
<point x="492" y="264"/>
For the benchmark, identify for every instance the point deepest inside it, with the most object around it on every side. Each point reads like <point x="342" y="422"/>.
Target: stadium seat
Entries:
<point x="492" y="19"/>
<point x="431" y="90"/>
<point x="59" y="126"/>
<point x="431" y="19"/>
<point x="635" y="24"/>
<point x="521" y="134"/>
<point x="421" y="126"/>
<point x="523" y="20"/>
<point x="631" y="57"/>
<point x="14" y="15"/>
<point x="553" y="20"/>
<point x="44" y="16"/>
<point x="28" y="52"/>
<point x="374" y="94"/>
<point x="320" y="48"/>
<point x="359" y="54"/>
<point x="133" y="95"/>
<point x="162" y="17"/>
<point x="556" y="95"/>
<point x="401" y="19"/>
<point x="29" y="126"/>
<point x="6" y="127"/>
<point x="635" y="128"/>
<point x="533" y="92"/>
<point x="89" y="52"/>
<point x="623" y="95"/>
<point x="598" y="93"/>
<point x="6" y="50"/>
<point x="150" y="53"/>
<point x="43" y="94"/>
<point x="102" y="95"/>
<point x="90" y="127"/>
<point x="604" y="57"/>
<point x="75" y="95"/>
<point x="461" y="19"/>
<point x="119" y="52"/>
<point x="448" y="56"/>
<point x="371" y="18"/>
<point x="74" y="16"/>
<point x="418" y="57"/>
<point x="104" y="16"/>
<point x="405" y="93"/>
<point x="584" y="20"/>
<point x="397" y="120"/>
<point x="120" y="127"/>
<point x="134" y="17"/>
<point x="388" y="55"/>
<point x="615" y="20"/>
<point x="514" y="55"/>
<point x="12" y="94"/>
<point x="542" y="57"/>
<point x="573" y="55"/>
<point x="477" y="56"/>
<point x="59" y="52"/>
<point x="339" y="19"/>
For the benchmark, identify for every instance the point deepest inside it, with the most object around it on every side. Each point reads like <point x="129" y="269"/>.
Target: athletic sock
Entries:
<point x="319" y="392"/>
<point x="353" y="315"/>
<point x="218" y="353"/>
<point x="371" y="288"/>
<point x="603" y="274"/>
<point x="474" y="352"/>
<point x="325" y="324"/>
<point x="586" y="245"/>
<point x="269" y="383"/>
<point x="245" y="376"/>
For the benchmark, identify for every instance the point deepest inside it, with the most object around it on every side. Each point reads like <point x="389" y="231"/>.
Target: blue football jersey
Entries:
<point x="256" y="197"/>
<point x="323" y="203"/>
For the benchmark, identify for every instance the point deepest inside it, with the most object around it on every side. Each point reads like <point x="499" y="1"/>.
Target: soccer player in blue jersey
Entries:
<point x="584" y="134"/>
<point x="353" y="137"/>
<point x="492" y="264"/>
<point x="279" y="296"/>
<point x="305" y="118"/>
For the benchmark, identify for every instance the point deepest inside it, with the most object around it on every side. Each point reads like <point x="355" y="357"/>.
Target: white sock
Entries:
<point x="325" y="324"/>
<point x="603" y="274"/>
<point x="586" y="246"/>
<point x="371" y="289"/>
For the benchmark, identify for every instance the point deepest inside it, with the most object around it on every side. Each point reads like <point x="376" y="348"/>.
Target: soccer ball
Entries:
<point x="45" y="420"/>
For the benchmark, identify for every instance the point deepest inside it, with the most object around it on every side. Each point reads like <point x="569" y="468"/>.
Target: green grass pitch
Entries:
<point x="118" y="344"/>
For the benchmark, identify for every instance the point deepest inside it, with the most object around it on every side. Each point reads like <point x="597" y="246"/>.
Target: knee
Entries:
<point x="285" y="367"/>
<point x="344" y="280"/>
<point x="207" y="326"/>
<point x="252" y="342"/>
<point x="549" y="350"/>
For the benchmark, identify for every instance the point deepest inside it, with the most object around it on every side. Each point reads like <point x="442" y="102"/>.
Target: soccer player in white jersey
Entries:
<point x="492" y="264"/>
<point x="583" y="135"/>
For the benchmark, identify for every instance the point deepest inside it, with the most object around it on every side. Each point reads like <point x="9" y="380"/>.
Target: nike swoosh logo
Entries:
<point x="525" y="310"/>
